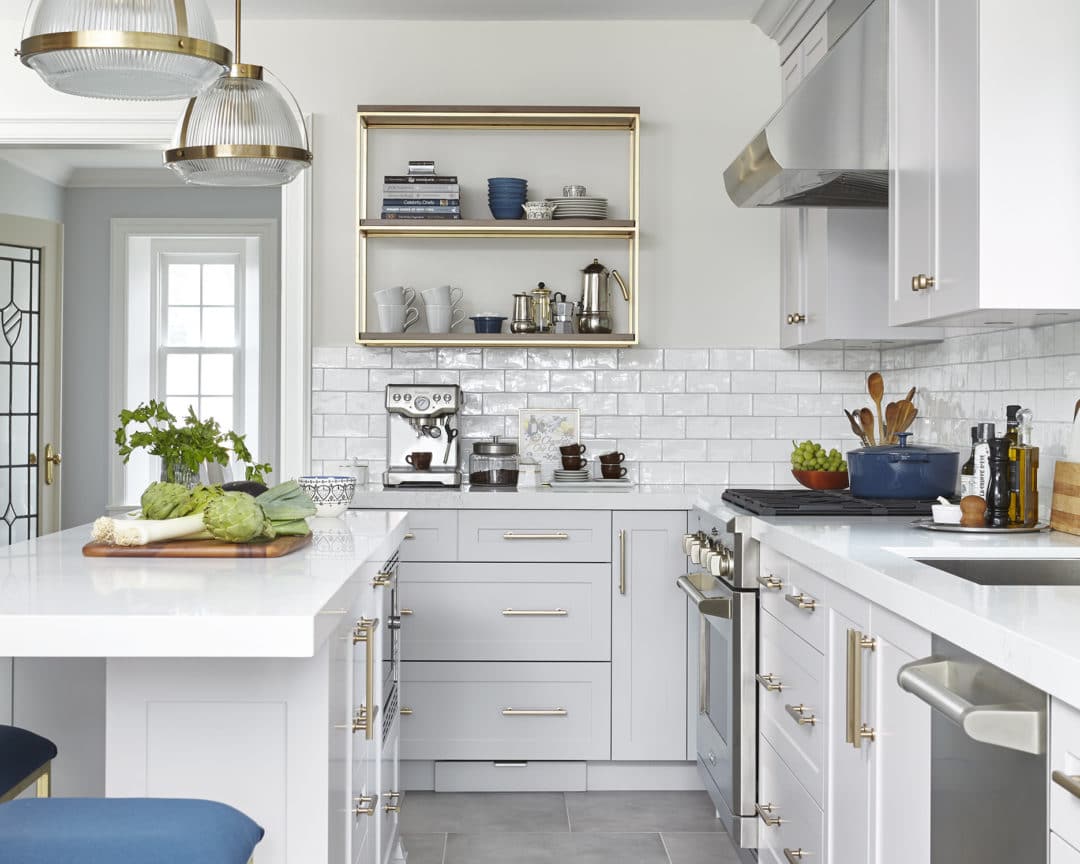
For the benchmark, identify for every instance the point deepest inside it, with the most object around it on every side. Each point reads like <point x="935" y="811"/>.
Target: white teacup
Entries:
<point x="396" y="296"/>
<point x="397" y="319"/>
<point x="442" y="295"/>
<point x="442" y="319"/>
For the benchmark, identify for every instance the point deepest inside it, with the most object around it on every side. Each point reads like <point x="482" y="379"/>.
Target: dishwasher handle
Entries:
<point x="1015" y="719"/>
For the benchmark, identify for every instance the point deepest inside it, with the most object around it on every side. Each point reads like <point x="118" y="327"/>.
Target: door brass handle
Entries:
<point x="797" y="318"/>
<point x="555" y="535"/>
<point x="922" y="282"/>
<point x="764" y="813"/>
<point x="1069" y="782"/>
<point x="365" y="632"/>
<point x="364" y="805"/>
<point x="795" y="856"/>
<point x="393" y="802"/>
<point x="770" y="683"/>
<point x="534" y="712"/>
<point x="802" y="601"/>
<point x="52" y="459"/>
<point x="409" y="535"/>
<point x="770" y="582"/>
<point x="622" y="562"/>
<point x="405" y="612"/>
<point x="405" y="712"/>
<point x="855" y="730"/>
<point x="546" y="613"/>
<point x="801" y="715"/>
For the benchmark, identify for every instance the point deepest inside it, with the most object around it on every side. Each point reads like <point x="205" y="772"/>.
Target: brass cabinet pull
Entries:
<point x="409" y="535"/>
<point x="534" y="712"/>
<point x="922" y="282"/>
<point x="405" y="712"/>
<point x="855" y="731"/>
<point x="802" y="601"/>
<point x="770" y="683"/>
<point x="764" y="813"/>
<point x="545" y="613"/>
<point x="405" y="612"/>
<point x="365" y="632"/>
<point x="770" y="582"/>
<point x="52" y="459"/>
<point x="555" y="535"/>
<point x="795" y="856"/>
<point x="393" y="802"/>
<point x="364" y="805"/>
<point x="797" y="318"/>
<point x="381" y="580"/>
<point x="801" y="715"/>
<point x="622" y="561"/>
<point x="357" y="724"/>
<point x="1069" y="782"/>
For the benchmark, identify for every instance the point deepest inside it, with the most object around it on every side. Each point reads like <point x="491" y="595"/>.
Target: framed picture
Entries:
<point x="542" y="431"/>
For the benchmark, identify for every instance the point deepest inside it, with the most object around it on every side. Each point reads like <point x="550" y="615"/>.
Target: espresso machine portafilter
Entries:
<point x="422" y="419"/>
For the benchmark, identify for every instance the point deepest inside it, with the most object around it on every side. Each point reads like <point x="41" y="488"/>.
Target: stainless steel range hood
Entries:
<point x="828" y="145"/>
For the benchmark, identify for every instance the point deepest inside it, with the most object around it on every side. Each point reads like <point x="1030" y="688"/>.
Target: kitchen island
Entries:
<point x="228" y="679"/>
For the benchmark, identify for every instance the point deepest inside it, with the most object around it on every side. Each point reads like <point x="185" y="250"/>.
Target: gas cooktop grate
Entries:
<point x="807" y="502"/>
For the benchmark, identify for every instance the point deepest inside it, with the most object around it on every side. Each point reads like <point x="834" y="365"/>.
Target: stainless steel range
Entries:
<point x="722" y="583"/>
<point x="422" y="433"/>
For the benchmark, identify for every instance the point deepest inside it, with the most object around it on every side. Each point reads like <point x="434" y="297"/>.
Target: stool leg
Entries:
<point x="44" y="783"/>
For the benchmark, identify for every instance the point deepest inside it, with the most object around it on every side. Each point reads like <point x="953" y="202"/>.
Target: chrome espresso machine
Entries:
<point x="422" y="435"/>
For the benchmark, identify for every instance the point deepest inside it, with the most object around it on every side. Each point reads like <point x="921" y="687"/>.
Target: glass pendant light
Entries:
<point x="123" y="49"/>
<point x="241" y="132"/>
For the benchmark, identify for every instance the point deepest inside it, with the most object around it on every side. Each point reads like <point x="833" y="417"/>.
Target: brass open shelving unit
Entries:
<point x="371" y="118"/>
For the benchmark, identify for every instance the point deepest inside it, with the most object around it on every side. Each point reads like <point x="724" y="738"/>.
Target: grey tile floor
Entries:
<point x="556" y="827"/>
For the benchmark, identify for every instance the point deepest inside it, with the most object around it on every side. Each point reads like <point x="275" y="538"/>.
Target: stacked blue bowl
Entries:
<point x="506" y="195"/>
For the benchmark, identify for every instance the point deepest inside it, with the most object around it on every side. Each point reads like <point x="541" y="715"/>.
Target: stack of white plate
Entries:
<point x="579" y="208"/>
<point x="564" y="476"/>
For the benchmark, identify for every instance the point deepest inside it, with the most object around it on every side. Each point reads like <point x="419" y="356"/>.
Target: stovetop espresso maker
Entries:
<point x="595" y="314"/>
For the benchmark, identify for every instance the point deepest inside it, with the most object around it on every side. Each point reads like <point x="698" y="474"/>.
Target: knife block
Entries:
<point x="1065" y="504"/>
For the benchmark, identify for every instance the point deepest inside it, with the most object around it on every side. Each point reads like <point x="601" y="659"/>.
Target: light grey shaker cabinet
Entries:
<point x="648" y="637"/>
<point x="981" y="233"/>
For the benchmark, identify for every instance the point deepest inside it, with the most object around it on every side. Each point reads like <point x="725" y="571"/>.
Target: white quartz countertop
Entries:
<point x="1031" y="631"/>
<point x="56" y="603"/>
<point x="631" y="497"/>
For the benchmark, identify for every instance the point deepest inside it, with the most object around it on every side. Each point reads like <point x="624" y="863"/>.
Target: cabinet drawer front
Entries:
<point x="505" y="611"/>
<point x="506" y="711"/>
<point x="800" y="673"/>
<point x="802" y="821"/>
<point x="1065" y="759"/>
<point x="1061" y="852"/>
<point x="534" y="535"/>
<point x="432" y="536"/>
<point x="510" y="776"/>
<point x="799" y="603"/>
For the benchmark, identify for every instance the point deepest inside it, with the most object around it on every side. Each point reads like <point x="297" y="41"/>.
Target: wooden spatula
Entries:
<point x="866" y="419"/>
<point x="875" y="385"/>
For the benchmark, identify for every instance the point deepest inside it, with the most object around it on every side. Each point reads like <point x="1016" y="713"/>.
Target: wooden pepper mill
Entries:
<point x="973" y="511"/>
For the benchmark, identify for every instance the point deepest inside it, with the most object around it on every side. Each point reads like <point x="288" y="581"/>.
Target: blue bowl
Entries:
<point x="518" y="180"/>
<point x="487" y="323"/>
<point x="500" y="213"/>
<point x="516" y="201"/>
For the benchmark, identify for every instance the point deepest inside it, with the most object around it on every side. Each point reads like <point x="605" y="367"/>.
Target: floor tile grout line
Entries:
<point x="566" y="805"/>
<point x="445" y="844"/>
<point x="663" y="843"/>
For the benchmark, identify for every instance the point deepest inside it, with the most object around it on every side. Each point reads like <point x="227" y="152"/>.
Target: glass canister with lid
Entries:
<point x="494" y="464"/>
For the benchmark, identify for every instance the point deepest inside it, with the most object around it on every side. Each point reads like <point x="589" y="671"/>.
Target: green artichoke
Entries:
<point x="237" y="518"/>
<point x="201" y="496"/>
<point x="165" y="501"/>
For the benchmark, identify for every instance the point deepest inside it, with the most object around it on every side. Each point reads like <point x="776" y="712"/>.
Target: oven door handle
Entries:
<point x="713" y="607"/>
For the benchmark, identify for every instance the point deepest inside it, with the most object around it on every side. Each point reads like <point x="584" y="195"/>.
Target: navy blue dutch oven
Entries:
<point x="903" y="471"/>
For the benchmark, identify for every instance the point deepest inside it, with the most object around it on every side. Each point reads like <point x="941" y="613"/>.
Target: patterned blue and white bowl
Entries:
<point x="331" y="493"/>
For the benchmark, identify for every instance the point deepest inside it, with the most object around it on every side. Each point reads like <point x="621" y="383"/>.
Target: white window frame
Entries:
<point x="163" y="237"/>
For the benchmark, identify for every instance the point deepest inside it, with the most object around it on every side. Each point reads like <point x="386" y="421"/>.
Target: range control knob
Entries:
<point x="723" y="565"/>
<point x="421" y="403"/>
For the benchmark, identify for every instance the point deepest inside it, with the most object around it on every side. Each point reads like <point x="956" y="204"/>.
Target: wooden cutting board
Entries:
<point x="199" y="549"/>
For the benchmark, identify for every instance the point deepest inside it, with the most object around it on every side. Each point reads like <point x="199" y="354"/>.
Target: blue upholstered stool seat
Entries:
<point x="21" y="754"/>
<point x="124" y="831"/>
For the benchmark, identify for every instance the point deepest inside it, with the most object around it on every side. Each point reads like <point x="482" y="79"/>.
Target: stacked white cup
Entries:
<point x="396" y="312"/>
<point x="442" y="305"/>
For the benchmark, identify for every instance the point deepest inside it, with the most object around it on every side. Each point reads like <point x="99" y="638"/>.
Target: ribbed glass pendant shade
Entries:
<point x="124" y="49"/>
<point x="240" y="132"/>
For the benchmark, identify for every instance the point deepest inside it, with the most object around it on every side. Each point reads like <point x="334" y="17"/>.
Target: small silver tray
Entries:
<point x="927" y="523"/>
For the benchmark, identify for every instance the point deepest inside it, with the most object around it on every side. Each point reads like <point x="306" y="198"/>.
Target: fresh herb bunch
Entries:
<point x="189" y="445"/>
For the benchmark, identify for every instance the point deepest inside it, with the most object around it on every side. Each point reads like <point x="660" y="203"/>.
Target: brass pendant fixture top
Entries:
<point x="123" y="49"/>
<point x="241" y="131"/>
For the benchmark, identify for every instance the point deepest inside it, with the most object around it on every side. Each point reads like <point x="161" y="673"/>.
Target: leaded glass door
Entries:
<point x="30" y="256"/>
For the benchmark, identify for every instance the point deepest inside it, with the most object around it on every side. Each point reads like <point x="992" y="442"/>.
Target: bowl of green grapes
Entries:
<point x="817" y="469"/>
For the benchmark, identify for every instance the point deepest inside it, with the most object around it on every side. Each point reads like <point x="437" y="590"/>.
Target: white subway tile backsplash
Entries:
<point x="506" y="358"/>
<point x="753" y="382"/>
<point x="731" y="405"/>
<point x="686" y="405"/>
<point x="366" y="448"/>
<point x="596" y="404"/>
<point x="731" y="358"/>
<point x="550" y="358"/>
<point x="709" y="427"/>
<point x="641" y="404"/>
<point x="316" y="379"/>
<point x="482" y="382"/>
<point x="379" y="378"/>
<point x="771" y="451"/>
<point x="460" y="358"/>
<point x="798" y="382"/>
<point x="686" y="358"/>
<point x="345" y="424"/>
<point x="730" y="450"/>
<point x="328" y="403"/>
<point x="685" y="450"/>
<point x="640" y="450"/>
<point x="658" y="473"/>
<point x="365" y="403"/>
<point x="821" y="359"/>
<point x="527" y="382"/>
<point x="596" y="358"/>
<point x="801" y="428"/>
<point x="713" y="381"/>
<point x="414" y="358"/>
<point x="753" y="427"/>
<point x="821" y="405"/>
<point x="618" y="382"/>
<point x="363" y="357"/>
<point x="752" y="474"/>
<point x="776" y="360"/>
<point x="618" y="427"/>
<point x="328" y="358"/>
<point x="327" y="448"/>
<point x="505" y="403"/>
<point x="437" y="376"/>
<point x="551" y="400"/>
<point x="663" y="427"/>
<point x="707" y="473"/>
<point x="572" y="382"/>
<point x="663" y="382"/>
<point x="641" y="358"/>
<point x="774" y="405"/>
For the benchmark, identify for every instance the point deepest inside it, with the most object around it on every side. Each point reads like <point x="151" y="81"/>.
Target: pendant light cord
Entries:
<point x="237" y="58"/>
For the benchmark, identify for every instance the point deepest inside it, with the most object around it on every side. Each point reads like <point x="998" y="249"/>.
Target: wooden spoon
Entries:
<point x="866" y="418"/>
<point x="905" y="416"/>
<point x="910" y="395"/>
<point x="891" y="413"/>
<point x="875" y="384"/>
<point x="856" y="428"/>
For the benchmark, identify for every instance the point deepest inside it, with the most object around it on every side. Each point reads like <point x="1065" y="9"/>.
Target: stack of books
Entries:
<point x="421" y="194"/>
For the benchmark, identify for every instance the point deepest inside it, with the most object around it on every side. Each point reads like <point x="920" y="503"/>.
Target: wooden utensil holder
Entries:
<point x="1065" y="505"/>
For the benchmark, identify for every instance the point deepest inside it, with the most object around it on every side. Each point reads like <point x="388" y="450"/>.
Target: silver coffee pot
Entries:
<point x="595" y="315"/>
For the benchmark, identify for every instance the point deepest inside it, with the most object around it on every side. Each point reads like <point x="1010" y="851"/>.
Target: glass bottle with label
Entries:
<point x="1024" y="475"/>
<point x="982" y="458"/>
<point x="967" y="470"/>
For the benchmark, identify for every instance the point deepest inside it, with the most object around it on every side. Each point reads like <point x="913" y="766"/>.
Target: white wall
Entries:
<point x="26" y="194"/>
<point x="709" y="272"/>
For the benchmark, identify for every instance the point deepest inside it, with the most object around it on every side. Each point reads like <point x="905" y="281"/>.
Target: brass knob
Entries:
<point x="52" y="459"/>
<point x="922" y="282"/>
<point x="797" y="318"/>
<point x="364" y="805"/>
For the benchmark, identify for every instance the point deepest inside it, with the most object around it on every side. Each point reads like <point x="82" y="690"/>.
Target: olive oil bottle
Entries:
<point x="1024" y="475"/>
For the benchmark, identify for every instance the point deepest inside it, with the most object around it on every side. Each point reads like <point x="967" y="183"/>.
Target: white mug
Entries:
<point x="443" y="319"/>
<point x="442" y="295"/>
<point x="397" y="319"/>
<point x="396" y="296"/>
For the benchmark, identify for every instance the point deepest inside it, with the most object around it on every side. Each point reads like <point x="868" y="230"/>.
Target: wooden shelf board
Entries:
<point x="620" y="228"/>
<point x="499" y="340"/>
<point x="498" y="116"/>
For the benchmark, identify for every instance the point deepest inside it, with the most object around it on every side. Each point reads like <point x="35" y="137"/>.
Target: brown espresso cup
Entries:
<point x="573" y="463"/>
<point x="613" y="458"/>
<point x="419" y="461"/>
<point x="612" y="472"/>
<point x="572" y="450"/>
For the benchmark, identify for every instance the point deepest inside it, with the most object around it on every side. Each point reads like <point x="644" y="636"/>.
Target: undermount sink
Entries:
<point x="1010" y="571"/>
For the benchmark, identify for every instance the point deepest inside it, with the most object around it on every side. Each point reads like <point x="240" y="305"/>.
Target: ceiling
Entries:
<point x="494" y="10"/>
<point x="93" y="166"/>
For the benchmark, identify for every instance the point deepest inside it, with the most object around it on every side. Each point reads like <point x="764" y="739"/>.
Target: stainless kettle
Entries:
<point x="595" y="315"/>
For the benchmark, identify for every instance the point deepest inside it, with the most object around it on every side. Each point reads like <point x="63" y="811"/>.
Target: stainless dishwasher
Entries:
<point x="988" y="761"/>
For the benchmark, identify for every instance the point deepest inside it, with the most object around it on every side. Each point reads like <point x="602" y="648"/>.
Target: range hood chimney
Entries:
<point x="828" y="144"/>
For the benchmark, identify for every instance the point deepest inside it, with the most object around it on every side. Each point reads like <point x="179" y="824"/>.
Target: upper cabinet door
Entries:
<point x="912" y="213"/>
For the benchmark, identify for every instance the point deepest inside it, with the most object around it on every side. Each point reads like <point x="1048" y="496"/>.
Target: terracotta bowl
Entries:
<point x="821" y="480"/>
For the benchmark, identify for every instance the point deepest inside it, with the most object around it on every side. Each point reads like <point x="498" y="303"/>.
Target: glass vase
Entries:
<point x="181" y="474"/>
